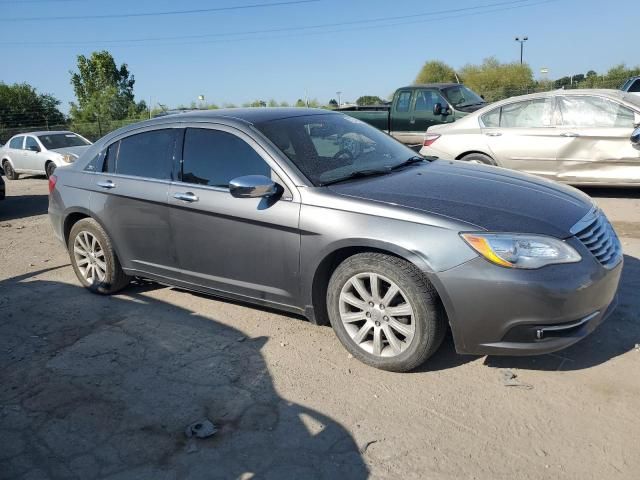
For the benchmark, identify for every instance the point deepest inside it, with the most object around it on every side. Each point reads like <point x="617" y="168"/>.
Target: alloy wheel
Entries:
<point x="89" y="257"/>
<point x="376" y="314"/>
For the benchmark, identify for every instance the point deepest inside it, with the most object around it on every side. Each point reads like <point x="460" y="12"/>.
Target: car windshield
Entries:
<point x="461" y="96"/>
<point x="62" y="140"/>
<point x="334" y="147"/>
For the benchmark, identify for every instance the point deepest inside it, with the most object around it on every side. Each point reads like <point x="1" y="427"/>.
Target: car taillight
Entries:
<point x="429" y="138"/>
<point x="52" y="183"/>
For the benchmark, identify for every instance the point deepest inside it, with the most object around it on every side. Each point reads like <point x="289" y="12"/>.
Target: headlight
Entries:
<point x="514" y="250"/>
<point x="69" y="158"/>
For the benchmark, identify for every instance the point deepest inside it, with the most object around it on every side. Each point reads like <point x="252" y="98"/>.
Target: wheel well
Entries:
<point x="70" y="221"/>
<point x="462" y="155"/>
<point x="323" y="274"/>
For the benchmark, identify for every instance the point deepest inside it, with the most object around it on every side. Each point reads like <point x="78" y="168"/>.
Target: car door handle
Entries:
<point x="107" y="184"/>
<point x="570" y="134"/>
<point x="493" y="134"/>
<point x="186" y="197"/>
<point x="412" y="120"/>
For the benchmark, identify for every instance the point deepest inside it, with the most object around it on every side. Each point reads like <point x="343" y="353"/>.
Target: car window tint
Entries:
<point x="635" y="87"/>
<point x="16" y="142"/>
<point x="148" y="154"/>
<point x="214" y="157"/>
<point x="110" y="156"/>
<point x="584" y="111"/>
<point x="404" y="99"/>
<point x="426" y="99"/>
<point x="528" y="114"/>
<point x="492" y="118"/>
<point x="30" y="142"/>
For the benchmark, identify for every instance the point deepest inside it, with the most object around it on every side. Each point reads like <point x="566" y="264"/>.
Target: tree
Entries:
<point x="272" y="103"/>
<point x="333" y="103"/>
<point x="104" y="91"/>
<point x="369" y="100"/>
<point x="284" y="104"/>
<point x="497" y="80"/>
<point x="436" y="71"/>
<point x="22" y="107"/>
<point x="301" y="103"/>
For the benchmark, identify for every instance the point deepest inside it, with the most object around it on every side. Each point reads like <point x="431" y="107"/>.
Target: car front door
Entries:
<point x="600" y="150"/>
<point x="33" y="157"/>
<point x="16" y="153"/>
<point x="129" y="196"/>
<point x="423" y="116"/>
<point x="247" y="247"/>
<point x="522" y="136"/>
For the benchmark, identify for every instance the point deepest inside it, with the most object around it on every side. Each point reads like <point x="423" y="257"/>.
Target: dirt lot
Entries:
<point x="95" y="387"/>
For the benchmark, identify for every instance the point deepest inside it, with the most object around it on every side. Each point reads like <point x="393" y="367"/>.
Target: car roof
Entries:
<point x="250" y="115"/>
<point x="44" y="132"/>
<point x="432" y="85"/>
<point x="602" y="92"/>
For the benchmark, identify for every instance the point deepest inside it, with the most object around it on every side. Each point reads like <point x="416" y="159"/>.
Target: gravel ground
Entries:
<point x="96" y="387"/>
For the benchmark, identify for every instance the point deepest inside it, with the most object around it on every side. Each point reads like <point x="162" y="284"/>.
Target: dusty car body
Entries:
<point x="320" y="214"/>
<point x="580" y="137"/>
<point x="38" y="153"/>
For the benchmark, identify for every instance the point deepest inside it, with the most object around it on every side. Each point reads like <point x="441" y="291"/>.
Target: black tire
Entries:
<point x="429" y="318"/>
<point x="49" y="168"/>
<point x="9" y="172"/>
<point x="479" y="158"/>
<point x="114" y="278"/>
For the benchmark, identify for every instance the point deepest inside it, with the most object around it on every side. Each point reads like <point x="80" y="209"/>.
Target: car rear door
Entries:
<point x="129" y="196"/>
<point x="600" y="150"/>
<point x="401" y="115"/>
<point x="523" y="136"/>
<point x="33" y="158"/>
<point x="247" y="247"/>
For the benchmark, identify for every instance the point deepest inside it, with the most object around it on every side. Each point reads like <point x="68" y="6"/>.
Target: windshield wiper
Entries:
<point x="409" y="161"/>
<point x="357" y="174"/>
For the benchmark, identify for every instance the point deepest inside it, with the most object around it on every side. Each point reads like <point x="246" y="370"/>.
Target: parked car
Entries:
<point x="38" y="153"/>
<point x="320" y="214"/>
<point x="417" y="107"/>
<point x="632" y="85"/>
<point x="635" y="138"/>
<point x="580" y="137"/>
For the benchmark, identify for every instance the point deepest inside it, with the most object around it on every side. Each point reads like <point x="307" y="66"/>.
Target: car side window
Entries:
<point x="31" y="142"/>
<point x="404" y="100"/>
<point x="492" y="119"/>
<point x="148" y="155"/>
<point x="213" y="157"/>
<point x="528" y="114"/>
<point x="635" y="87"/>
<point x="426" y="99"/>
<point x="110" y="156"/>
<point x="16" y="143"/>
<point x="585" y="111"/>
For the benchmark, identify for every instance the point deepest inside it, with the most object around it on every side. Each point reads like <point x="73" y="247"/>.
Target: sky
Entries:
<point x="243" y="50"/>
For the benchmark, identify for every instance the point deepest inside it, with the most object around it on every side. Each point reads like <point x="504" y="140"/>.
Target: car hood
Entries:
<point x="490" y="198"/>
<point x="73" y="150"/>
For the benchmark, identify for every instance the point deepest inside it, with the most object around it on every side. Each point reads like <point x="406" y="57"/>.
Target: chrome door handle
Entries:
<point x="570" y="134"/>
<point x="186" y="197"/>
<point x="107" y="184"/>
<point x="412" y="120"/>
<point x="493" y="134"/>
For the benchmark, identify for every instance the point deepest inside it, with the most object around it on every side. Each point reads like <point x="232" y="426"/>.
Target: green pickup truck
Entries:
<point x="416" y="108"/>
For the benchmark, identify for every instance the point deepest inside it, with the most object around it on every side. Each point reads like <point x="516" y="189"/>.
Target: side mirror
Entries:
<point x="635" y="138"/>
<point x="437" y="109"/>
<point x="33" y="148"/>
<point x="253" y="186"/>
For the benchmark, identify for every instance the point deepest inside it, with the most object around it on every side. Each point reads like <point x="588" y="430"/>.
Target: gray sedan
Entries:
<point x="580" y="137"/>
<point x="320" y="214"/>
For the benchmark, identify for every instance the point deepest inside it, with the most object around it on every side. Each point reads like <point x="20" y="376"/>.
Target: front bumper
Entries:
<point x="499" y="311"/>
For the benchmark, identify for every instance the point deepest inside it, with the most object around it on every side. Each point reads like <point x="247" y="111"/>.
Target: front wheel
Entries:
<point x="94" y="259"/>
<point x="385" y="312"/>
<point x="9" y="171"/>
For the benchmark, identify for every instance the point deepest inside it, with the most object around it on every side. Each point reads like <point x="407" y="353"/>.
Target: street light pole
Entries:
<point x="339" y="99"/>
<point x="521" y="41"/>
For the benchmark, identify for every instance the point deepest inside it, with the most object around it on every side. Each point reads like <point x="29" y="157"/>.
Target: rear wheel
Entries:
<point x="385" y="312"/>
<point x="9" y="171"/>
<point x="49" y="168"/>
<point x="480" y="158"/>
<point x="94" y="259"/>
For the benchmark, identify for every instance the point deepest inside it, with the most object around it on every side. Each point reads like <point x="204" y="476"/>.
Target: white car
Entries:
<point x="38" y="153"/>
<point x="579" y="137"/>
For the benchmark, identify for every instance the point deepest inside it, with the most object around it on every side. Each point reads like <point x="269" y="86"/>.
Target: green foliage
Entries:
<point x="497" y="80"/>
<point x="104" y="93"/>
<point x="436" y="71"/>
<point x="333" y="103"/>
<point x="367" y="100"/>
<point x="23" y="108"/>
<point x="284" y="104"/>
<point x="301" y="103"/>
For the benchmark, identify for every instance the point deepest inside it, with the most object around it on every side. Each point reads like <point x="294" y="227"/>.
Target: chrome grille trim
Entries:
<point x="598" y="236"/>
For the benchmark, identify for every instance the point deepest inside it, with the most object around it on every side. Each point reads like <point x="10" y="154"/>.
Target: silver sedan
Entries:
<point x="580" y="137"/>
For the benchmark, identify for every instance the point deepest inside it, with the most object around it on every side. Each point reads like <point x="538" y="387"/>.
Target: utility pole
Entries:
<point x="521" y="41"/>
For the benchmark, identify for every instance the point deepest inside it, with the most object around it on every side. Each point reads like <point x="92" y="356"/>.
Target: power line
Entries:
<point x="166" y="40"/>
<point x="156" y="14"/>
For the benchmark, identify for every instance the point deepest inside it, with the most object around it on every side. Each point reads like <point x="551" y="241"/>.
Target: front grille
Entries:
<point x="601" y="240"/>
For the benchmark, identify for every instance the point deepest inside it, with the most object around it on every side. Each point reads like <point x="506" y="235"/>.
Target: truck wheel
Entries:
<point x="385" y="312"/>
<point x="479" y="158"/>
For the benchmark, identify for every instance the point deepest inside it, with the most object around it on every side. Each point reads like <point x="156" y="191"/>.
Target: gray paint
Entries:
<point x="268" y="250"/>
